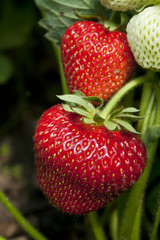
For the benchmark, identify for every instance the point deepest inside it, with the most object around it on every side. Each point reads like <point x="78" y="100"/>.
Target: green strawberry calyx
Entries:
<point x="107" y="115"/>
<point x="117" y="21"/>
<point x="117" y="119"/>
<point x="147" y="4"/>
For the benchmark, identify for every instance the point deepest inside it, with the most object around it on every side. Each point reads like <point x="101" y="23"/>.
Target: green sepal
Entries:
<point x="79" y="93"/>
<point x="126" y="125"/>
<point x="110" y="125"/>
<point x="87" y="120"/>
<point x="131" y="116"/>
<point x="120" y="116"/>
<point x="98" y="118"/>
<point x="77" y="100"/>
<point x="80" y="104"/>
<point x="81" y="111"/>
<point x="110" y="25"/>
<point x="130" y="110"/>
<point x="147" y="4"/>
<point x="120" y="112"/>
<point x="115" y="113"/>
<point x="89" y="99"/>
<point x="67" y="107"/>
<point x="95" y="99"/>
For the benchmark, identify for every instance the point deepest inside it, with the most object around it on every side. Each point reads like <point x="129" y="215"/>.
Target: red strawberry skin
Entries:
<point x="80" y="167"/>
<point x="96" y="61"/>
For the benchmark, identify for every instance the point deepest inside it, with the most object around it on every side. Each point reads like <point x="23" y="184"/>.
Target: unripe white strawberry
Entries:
<point x="143" y="33"/>
<point x="123" y="5"/>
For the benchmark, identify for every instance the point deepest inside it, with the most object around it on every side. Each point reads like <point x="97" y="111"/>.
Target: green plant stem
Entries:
<point x="157" y="121"/>
<point x="135" y="199"/>
<point x="62" y="77"/>
<point x="150" y="108"/>
<point x="123" y="91"/>
<point x="133" y="211"/>
<point x="147" y="92"/>
<point x="20" y="219"/>
<point x="156" y="224"/>
<point x="137" y="223"/>
<point x="157" y="90"/>
<point x="96" y="226"/>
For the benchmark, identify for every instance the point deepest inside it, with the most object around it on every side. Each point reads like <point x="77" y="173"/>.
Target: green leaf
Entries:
<point x="16" y="22"/>
<point x="151" y="134"/>
<point x="6" y="69"/>
<point x="126" y="125"/>
<point x="60" y="14"/>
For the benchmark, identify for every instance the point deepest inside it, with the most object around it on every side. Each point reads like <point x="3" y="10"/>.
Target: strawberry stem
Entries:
<point x="135" y="199"/>
<point x="145" y="100"/>
<point x="20" y="219"/>
<point x="157" y="90"/>
<point x="62" y="77"/>
<point x="150" y="111"/>
<point x="123" y="91"/>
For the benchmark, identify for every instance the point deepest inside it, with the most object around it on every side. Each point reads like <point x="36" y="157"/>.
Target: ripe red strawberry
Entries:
<point x="82" y="167"/>
<point x="96" y="61"/>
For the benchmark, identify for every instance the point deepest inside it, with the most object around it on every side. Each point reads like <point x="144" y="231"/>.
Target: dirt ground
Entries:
<point x="18" y="182"/>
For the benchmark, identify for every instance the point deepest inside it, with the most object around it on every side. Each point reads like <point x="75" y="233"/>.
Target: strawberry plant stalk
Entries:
<point x="150" y="108"/>
<point x="133" y="211"/>
<point x="145" y="99"/>
<point x="20" y="219"/>
<point x="135" y="199"/>
<point x="123" y="91"/>
<point x="62" y="77"/>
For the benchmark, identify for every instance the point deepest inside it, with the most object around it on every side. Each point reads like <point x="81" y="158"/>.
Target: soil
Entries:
<point x="18" y="181"/>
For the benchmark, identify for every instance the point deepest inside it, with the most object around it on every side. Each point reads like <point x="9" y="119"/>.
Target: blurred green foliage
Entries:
<point x="29" y="77"/>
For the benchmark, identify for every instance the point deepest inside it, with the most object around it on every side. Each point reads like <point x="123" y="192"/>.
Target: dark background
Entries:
<point x="29" y="83"/>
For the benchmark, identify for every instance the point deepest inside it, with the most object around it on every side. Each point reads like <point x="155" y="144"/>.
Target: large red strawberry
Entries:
<point x="96" y="61"/>
<point x="82" y="167"/>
